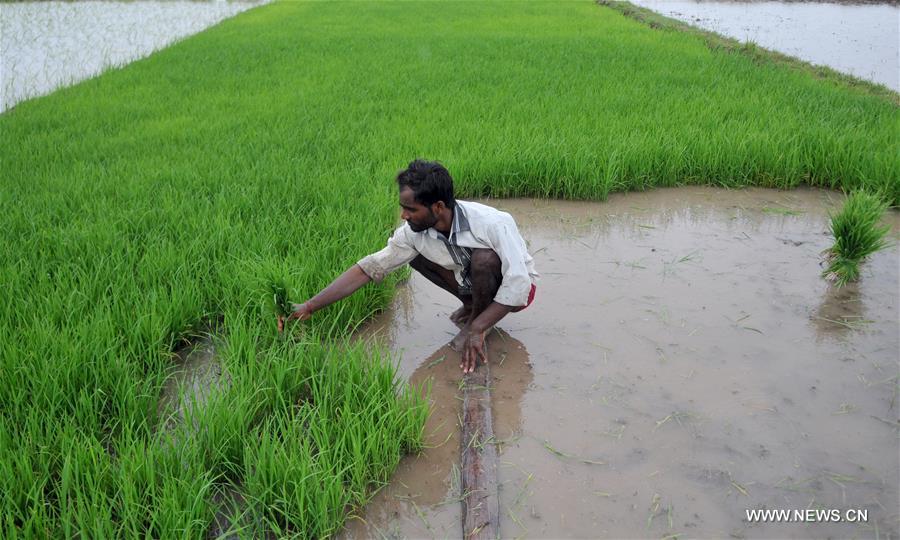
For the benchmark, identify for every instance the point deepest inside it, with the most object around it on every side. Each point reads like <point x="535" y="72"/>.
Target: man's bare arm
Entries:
<point x="489" y="317"/>
<point x="473" y="348"/>
<point x="342" y="287"/>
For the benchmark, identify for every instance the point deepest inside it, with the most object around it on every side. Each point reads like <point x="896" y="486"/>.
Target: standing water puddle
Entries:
<point x="45" y="45"/>
<point x="682" y="363"/>
<point x="196" y="376"/>
<point x="862" y="40"/>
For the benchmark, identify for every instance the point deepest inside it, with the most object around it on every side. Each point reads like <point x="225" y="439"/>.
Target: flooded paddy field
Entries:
<point x="145" y="201"/>
<point x="682" y="363"/>
<point x="46" y="45"/>
<point x="860" y="39"/>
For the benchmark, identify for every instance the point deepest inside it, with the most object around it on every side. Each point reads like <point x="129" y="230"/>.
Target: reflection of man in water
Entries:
<point x="470" y="250"/>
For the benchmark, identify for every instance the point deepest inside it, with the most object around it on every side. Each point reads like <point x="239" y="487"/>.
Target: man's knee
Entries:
<point x="419" y="263"/>
<point x="424" y="266"/>
<point x="485" y="260"/>
<point x="433" y="271"/>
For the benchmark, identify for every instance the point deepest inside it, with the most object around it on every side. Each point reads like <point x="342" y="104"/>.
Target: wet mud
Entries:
<point x="683" y="362"/>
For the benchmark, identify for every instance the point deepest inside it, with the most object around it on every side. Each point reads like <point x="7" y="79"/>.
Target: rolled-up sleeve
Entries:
<point x="510" y="247"/>
<point x="399" y="251"/>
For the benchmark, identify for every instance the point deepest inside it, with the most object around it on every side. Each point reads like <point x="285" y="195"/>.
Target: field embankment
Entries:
<point x="143" y="204"/>
<point x="845" y="58"/>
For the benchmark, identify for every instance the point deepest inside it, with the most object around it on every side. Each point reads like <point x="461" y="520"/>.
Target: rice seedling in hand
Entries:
<point x="280" y="302"/>
<point x="856" y="234"/>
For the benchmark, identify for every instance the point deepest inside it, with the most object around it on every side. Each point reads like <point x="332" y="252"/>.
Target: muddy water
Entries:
<point x="682" y="363"/>
<point x="196" y="375"/>
<point x="861" y="40"/>
<point x="46" y="45"/>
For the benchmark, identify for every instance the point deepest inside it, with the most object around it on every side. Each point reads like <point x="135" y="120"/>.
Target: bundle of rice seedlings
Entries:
<point x="856" y="234"/>
<point x="281" y="304"/>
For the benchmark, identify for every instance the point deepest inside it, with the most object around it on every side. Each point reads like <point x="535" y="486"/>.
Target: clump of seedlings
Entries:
<point x="856" y="236"/>
<point x="278" y="295"/>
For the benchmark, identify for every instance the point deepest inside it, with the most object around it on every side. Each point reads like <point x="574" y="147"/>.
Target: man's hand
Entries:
<point x="473" y="349"/>
<point x="471" y="340"/>
<point x="301" y="312"/>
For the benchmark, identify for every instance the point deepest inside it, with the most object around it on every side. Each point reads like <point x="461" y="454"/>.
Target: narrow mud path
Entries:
<point x="478" y="456"/>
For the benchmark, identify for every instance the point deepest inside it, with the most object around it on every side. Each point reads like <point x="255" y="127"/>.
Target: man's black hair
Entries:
<point x="430" y="182"/>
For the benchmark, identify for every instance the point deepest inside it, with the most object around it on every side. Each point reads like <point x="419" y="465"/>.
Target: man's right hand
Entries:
<point x="301" y="312"/>
<point x="345" y="284"/>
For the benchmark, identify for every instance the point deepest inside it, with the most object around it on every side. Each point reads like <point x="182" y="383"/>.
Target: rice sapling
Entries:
<point x="856" y="236"/>
<point x="280" y="301"/>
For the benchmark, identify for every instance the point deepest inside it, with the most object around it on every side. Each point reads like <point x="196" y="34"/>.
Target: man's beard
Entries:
<point x="419" y="227"/>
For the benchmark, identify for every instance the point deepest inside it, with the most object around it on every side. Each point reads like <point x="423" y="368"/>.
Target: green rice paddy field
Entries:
<point x="163" y="198"/>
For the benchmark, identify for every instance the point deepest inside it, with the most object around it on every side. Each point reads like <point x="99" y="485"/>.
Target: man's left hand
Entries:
<point x="473" y="349"/>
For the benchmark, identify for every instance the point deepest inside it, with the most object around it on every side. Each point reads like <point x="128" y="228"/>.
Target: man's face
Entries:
<point x="419" y="216"/>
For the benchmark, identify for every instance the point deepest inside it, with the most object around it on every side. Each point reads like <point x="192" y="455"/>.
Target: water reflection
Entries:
<point x="841" y="310"/>
<point x="423" y="498"/>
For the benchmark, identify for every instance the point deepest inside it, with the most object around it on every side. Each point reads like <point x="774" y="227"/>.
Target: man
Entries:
<point x="472" y="251"/>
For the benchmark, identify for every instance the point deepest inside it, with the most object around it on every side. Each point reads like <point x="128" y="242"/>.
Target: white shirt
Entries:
<point x="474" y="226"/>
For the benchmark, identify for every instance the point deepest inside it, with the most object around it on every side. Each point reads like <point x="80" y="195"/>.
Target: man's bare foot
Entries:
<point x="461" y="315"/>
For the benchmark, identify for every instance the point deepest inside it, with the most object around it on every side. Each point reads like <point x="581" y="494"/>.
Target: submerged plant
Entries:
<point x="856" y="236"/>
